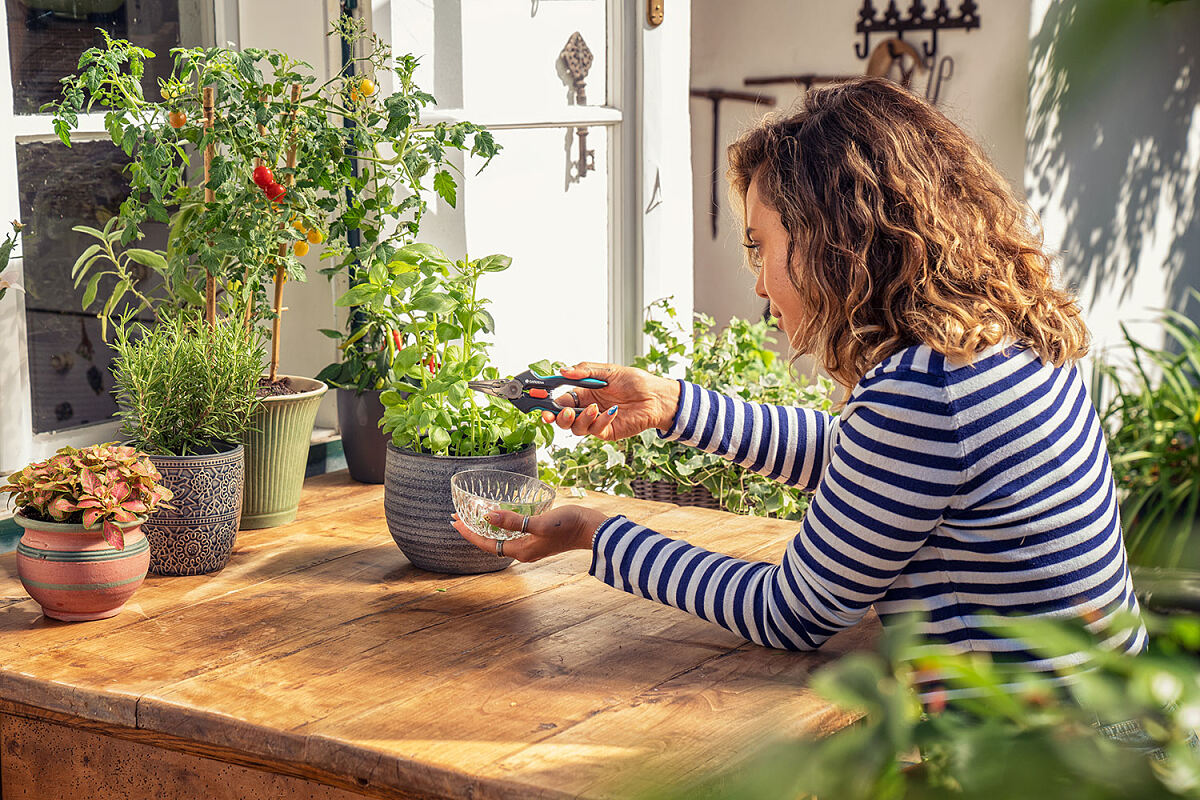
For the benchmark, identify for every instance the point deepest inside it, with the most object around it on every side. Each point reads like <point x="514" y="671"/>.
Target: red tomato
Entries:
<point x="274" y="191"/>
<point x="263" y="177"/>
<point x="177" y="119"/>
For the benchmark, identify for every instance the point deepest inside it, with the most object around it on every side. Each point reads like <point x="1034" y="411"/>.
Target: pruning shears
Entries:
<point x="531" y="392"/>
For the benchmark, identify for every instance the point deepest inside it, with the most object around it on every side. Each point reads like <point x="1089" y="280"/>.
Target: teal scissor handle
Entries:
<point x="541" y="385"/>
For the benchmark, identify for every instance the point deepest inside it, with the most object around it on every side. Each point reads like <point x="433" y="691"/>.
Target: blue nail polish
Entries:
<point x="612" y="411"/>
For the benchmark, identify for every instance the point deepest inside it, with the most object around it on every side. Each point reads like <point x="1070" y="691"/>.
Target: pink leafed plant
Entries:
<point x="106" y="483"/>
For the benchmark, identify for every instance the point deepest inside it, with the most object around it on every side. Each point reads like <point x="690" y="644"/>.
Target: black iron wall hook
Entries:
<point x="916" y="19"/>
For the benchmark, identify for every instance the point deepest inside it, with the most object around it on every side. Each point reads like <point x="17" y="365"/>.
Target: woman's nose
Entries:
<point x="760" y="286"/>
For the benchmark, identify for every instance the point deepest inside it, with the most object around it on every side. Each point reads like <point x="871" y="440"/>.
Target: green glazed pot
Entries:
<point x="277" y="453"/>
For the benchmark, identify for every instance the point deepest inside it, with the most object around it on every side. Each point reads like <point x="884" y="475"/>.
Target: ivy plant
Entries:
<point x="736" y="361"/>
<point x="434" y="321"/>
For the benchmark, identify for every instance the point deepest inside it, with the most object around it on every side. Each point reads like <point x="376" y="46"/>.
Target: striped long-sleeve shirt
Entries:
<point x="954" y="491"/>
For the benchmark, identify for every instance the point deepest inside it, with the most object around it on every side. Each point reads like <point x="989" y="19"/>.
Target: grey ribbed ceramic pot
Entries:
<point x="417" y="503"/>
<point x="363" y="442"/>
<point x="196" y="534"/>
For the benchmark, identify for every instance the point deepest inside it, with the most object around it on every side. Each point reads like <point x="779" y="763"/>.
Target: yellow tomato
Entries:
<point x="298" y="224"/>
<point x="315" y="236"/>
<point x="367" y="87"/>
<point x="300" y="249"/>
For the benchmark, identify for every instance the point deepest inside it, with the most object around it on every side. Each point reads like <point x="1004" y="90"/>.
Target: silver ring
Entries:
<point x="500" y="547"/>
<point x="574" y="397"/>
<point x="525" y="525"/>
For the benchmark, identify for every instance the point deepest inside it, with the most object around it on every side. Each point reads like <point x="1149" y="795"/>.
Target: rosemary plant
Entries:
<point x="184" y="387"/>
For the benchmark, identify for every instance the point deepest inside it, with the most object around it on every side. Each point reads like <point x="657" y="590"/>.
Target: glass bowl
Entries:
<point x="477" y="491"/>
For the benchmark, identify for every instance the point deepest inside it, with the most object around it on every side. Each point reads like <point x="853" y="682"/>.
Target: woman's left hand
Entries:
<point x="557" y="531"/>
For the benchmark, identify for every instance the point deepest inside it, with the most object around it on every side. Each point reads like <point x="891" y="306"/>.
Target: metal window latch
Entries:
<point x="578" y="60"/>
<point x="654" y="12"/>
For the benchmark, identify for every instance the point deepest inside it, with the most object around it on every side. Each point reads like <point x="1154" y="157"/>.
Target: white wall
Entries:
<point x="732" y="41"/>
<point x="1114" y="156"/>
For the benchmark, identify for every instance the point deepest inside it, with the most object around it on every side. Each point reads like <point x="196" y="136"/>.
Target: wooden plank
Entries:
<point x="45" y="761"/>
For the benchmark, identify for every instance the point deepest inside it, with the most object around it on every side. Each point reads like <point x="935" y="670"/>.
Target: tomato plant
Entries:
<point x="373" y="176"/>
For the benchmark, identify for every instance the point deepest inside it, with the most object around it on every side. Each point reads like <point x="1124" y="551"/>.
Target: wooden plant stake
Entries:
<point x="258" y="162"/>
<point x="280" y="271"/>
<point x="210" y="280"/>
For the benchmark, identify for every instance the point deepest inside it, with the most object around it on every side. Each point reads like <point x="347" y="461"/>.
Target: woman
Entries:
<point x="966" y="474"/>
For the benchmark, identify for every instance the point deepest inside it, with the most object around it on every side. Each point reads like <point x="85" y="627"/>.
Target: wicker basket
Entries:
<point x="668" y="492"/>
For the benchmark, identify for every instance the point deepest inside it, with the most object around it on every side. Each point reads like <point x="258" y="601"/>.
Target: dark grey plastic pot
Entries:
<point x="417" y="503"/>
<point x="364" y="443"/>
<point x="196" y="535"/>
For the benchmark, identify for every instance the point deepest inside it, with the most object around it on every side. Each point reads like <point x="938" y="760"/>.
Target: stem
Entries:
<point x="210" y="280"/>
<point x="280" y="269"/>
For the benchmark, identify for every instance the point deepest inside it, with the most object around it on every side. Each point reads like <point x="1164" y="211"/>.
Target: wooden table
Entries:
<point x="321" y="664"/>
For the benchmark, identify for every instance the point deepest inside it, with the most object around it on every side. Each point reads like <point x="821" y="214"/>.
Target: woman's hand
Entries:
<point x="633" y="401"/>
<point x="557" y="531"/>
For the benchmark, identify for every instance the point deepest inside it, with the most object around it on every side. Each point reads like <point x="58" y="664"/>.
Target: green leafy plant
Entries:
<point x="434" y="306"/>
<point x="6" y="248"/>
<point x="1000" y="738"/>
<point x="123" y="267"/>
<point x="108" y="484"/>
<point x="185" y="387"/>
<point x="736" y="361"/>
<point x="1153" y="427"/>
<point x="288" y="160"/>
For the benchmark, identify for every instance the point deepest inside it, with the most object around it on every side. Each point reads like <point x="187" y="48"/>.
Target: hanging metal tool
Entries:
<point x="578" y="60"/>
<point x="806" y="81"/>
<point x="897" y="60"/>
<point x="716" y="96"/>
<point x="943" y="73"/>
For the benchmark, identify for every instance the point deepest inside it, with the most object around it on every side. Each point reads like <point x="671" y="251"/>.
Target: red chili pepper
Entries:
<point x="396" y="340"/>
<point x="434" y="366"/>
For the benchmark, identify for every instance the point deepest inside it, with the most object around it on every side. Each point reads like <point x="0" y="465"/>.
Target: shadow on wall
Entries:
<point x="1114" y="141"/>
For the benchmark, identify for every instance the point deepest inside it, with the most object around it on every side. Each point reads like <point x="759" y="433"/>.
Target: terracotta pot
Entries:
<point x="196" y="534"/>
<point x="74" y="574"/>
<point x="418" y="505"/>
<point x="277" y="454"/>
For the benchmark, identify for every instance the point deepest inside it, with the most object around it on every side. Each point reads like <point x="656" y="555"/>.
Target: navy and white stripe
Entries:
<point x="956" y="491"/>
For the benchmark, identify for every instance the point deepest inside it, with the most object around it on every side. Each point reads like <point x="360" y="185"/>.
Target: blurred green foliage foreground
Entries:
<point x="1034" y="740"/>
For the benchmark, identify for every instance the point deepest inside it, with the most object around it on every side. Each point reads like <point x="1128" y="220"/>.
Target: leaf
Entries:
<point x="84" y="256"/>
<point x="439" y="439"/>
<point x="378" y="274"/>
<point x="444" y="185"/>
<point x="190" y="294"/>
<point x="407" y="358"/>
<point x="358" y="295"/>
<point x="89" y="294"/>
<point x="332" y="334"/>
<point x="494" y="263"/>
<point x="148" y="258"/>
<point x="113" y="534"/>
<point x="433" y="303"/>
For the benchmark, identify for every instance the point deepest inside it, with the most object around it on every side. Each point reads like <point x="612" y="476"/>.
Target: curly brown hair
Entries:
<point x="900" y="232"/>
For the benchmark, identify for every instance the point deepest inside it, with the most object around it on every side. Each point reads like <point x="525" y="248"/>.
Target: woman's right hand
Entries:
<point x="633" y="401"/>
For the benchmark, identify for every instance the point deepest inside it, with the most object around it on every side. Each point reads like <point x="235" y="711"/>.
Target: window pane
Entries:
<point x="46" y="38"/>
<point x="69" y="363"/>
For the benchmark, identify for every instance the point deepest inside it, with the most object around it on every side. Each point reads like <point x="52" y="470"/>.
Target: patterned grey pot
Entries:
<point x="196" y="535"/>
<point x="416" y="500"/>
